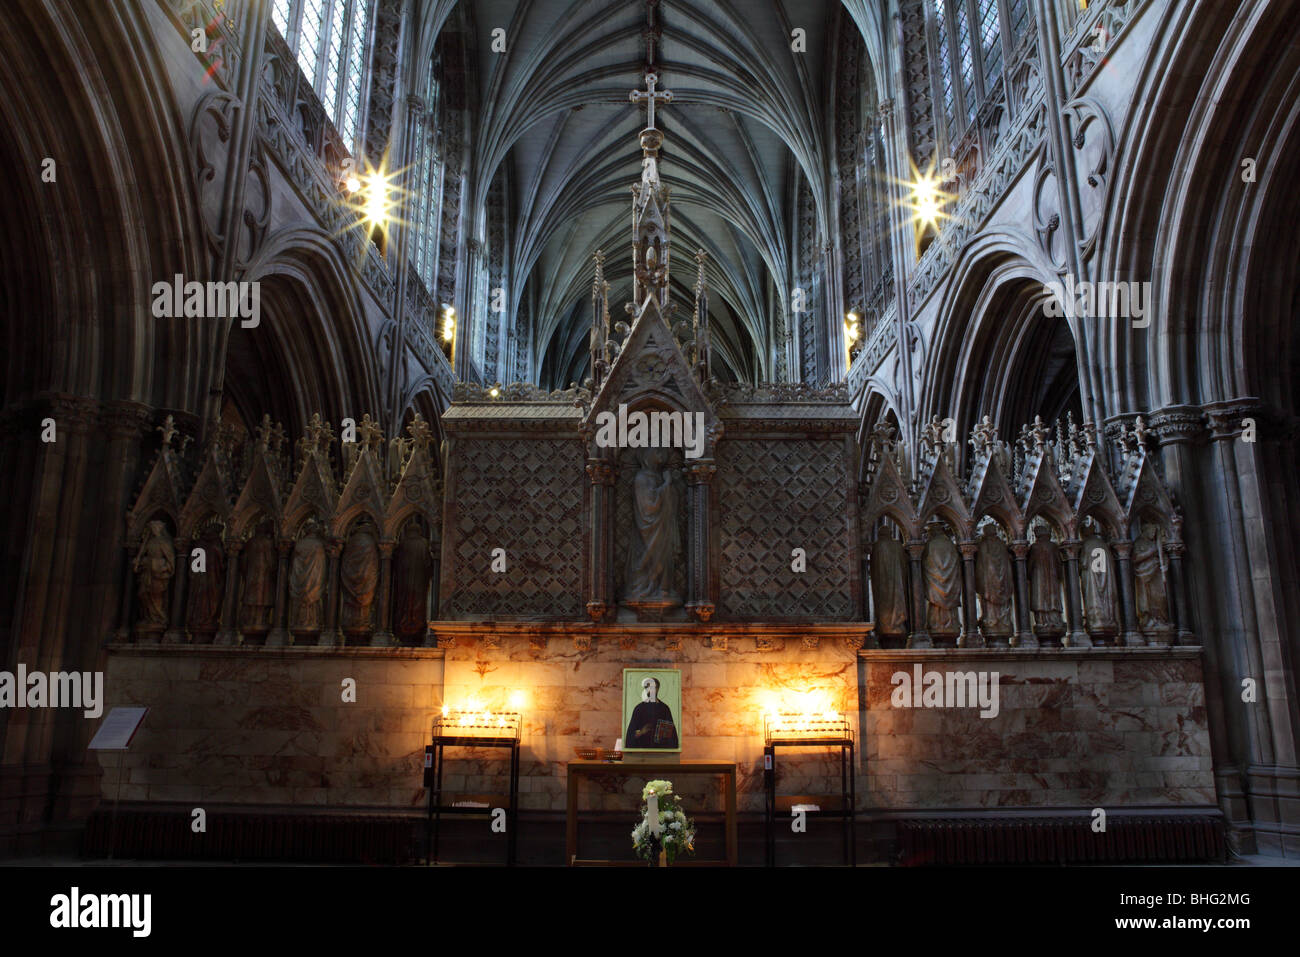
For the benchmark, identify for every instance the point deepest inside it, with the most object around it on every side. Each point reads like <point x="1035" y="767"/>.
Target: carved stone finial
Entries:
<point x="983" y="435"/>
<point x="1039" y="434"/>
<point x="168" y="430"/>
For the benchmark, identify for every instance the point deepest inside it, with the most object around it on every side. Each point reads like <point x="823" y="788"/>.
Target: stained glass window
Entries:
<point x="945" y="63"/>
<point x="330" y="39"/>
<point x="990" y="42"/>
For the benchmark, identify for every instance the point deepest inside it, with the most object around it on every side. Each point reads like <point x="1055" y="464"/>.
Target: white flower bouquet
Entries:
<point x="676" y="831"/>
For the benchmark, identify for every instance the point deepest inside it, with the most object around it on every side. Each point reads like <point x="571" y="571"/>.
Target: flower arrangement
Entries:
<point x="677" y="834"/>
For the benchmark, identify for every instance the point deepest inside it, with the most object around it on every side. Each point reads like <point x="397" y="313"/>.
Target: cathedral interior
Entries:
<point x="963" y="334"/>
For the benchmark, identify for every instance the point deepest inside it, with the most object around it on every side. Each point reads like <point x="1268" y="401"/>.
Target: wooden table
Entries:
<point x="647" y="770"/>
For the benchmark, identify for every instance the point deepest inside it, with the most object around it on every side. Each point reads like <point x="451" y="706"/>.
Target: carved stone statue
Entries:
<point x="307" y="582"/>
<point x="889" y="586"/>
<point x="656" y="498"/>
<point x="154" y="566"/>
<point x="1100" y="608"/>
<point x="994" y="583"/>
<point x="412" y="569"/>
<point x="942" y="567"/>
<point x="207" y="588"/>
<point x="258" y="601"/>
<point x="1045" y="585"/>
<point x="1152" y="599"/>
<point x="359" y="576"/>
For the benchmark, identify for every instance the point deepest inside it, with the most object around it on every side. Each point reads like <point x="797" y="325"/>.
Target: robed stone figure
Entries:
<point x="889" y="586"/>
<point x="656" y="498"/>
<point x="1149" y="584"/>
<point x="651" y="725"/>
<point x="942" y="567"/>
<point x="154" y="566"/>
<point x="207" y="588"/>
<point x="258" y="600"/>
<point x="307" y="584"/>
<point x="1099" y="605"/>
<point x="994" y="583"/>
<point x="1045" y="585"/>
<point x="412" y="569"/>
<point x="359" y="576"/>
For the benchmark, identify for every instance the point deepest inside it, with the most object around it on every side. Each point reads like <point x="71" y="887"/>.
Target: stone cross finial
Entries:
<point x="650" y="98"/>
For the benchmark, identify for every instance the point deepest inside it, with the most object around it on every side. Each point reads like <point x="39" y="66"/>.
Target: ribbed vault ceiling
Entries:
<point x="747" y="112"/>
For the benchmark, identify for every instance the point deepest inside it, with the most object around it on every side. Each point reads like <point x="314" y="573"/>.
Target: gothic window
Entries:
<point x="330" y="39"/>
<point x="426" y="190"/>
<point x="966" y="49"/>
<point x="990" y="42"/>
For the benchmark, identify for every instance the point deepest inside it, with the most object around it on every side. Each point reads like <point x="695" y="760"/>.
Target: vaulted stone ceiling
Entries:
<point x="746" y="112"/>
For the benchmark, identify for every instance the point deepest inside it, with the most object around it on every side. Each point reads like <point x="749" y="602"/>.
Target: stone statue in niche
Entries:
<point x="359" y="576"/>
<point x="1045" y="584"/>
<point x="1148" y="574"/>
<point x="207" y="588"/>
<point x="889" y="585"/>
<point x="307" y="582"/>
<point x="942" y="567"/>
<point x="1100" y="608"/>
<point x="412" y="570"/>
<point x="656" y="506"/>
<point x="994" y="583"/>
<point x="154" y="566"/>
<point x="258" y="600"/>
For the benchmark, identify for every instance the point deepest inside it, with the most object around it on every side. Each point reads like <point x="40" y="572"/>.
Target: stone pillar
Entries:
<point x="330" y="637"/>
<point x="970" y="629"/>
<point x="699" y="478"/>
<point x="601" y="602"/>
<point x="229" y="633"/>
<point x="1024" y="637"/>
<point x="1179" y="583"/>
<point x="279" y="636"/>
<point x="1128" y="610"/>
<point x="382" y="637"/>
<point x="123" y="633"/>
<point x="867" y="610"/>
<point x="920" y="637"/>
<point x="175" y="633"/>
<point x="1075" y="636"/>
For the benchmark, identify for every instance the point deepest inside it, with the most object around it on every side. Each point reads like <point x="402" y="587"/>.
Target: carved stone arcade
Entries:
<point x="1104" y="566"/>
<point x="237" y="559"/>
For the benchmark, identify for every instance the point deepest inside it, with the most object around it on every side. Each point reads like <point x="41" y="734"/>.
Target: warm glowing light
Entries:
<point x="927" y="201"/>
<point x="445" y="711"/>
<point x="352" y="184"/>
<point x="494" y="392"/>
<point x="448" y="323"/>
<point x="517" y="700"/>
<point x="379" y="202"/>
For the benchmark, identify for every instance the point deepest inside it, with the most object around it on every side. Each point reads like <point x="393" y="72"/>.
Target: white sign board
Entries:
<point x="118" y="729"/>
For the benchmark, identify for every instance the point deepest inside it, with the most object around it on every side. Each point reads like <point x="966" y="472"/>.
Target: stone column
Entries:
<point x="229" y="633"/>
<point x="1075" y="636"/>
<point x="123" y="633"/>
<point x="970" y="629"/>
<point x="279" y="636"/>
<point x="1128" y="610"/>
<point x="382" y="637"/>
<point x="920" y="637"/>
<point x="175" y="634"/>
<point x="699" y="478"/>
<point x="330" y="636"/>
<point x="601" y="598"/>
<point x="1024" y="637"/>
<point x="1179" y="583"/>
<point x="867" y="609"/>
